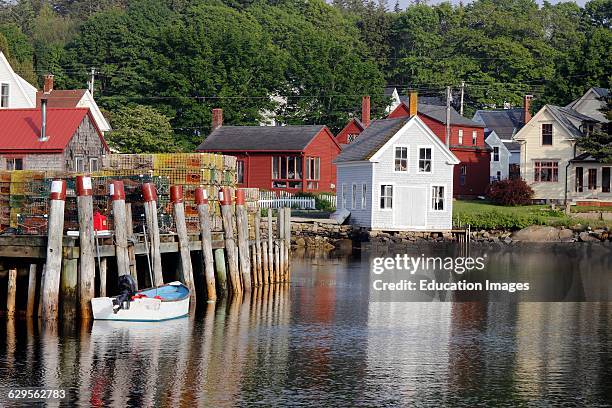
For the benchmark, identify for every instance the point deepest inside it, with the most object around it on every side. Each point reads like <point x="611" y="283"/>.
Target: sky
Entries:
<point x="404" y="3"/>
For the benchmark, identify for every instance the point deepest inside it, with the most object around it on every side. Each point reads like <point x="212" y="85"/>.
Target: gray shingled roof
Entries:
<point x="602" y="92"/>
<point x="426" y="100"/>
<point x="505" y="122"/>
<point x="371" y="139"/>
<point x="512" y="145"/>
<point x="566" y="115"/>
<point x="439" y="113"/>
<point x="252" y="138"/>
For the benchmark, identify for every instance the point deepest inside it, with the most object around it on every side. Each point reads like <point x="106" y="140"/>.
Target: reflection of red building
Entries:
<point x="289" y="158"/>
<point x="466" y="141"/>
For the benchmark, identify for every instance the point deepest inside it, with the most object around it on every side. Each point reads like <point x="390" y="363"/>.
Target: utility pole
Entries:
<point x="461" y="106"/>
<point x="448" y="115"/>
<point x="90" y="83"/>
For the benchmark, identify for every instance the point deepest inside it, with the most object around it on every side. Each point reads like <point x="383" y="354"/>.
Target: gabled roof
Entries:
<point x="567" y="118"/>
<point x="505" y="122"/>
<point x="20" y="129"/>
<point x="438" y="113"/>
<point x="261" y="138"/>
<point x="378" y="134"/>
<point x="61" y="98"/>
<point x="24" y="86"/>
<point x="600" y="92"/>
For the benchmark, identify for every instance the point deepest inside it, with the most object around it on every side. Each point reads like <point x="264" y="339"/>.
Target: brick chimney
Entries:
<point x="48" y="86"/>
<point x="217" y="118"/>
<point x="365" y="111"/>
<point x="413" y="104"/>
<point x="527" y="108"/>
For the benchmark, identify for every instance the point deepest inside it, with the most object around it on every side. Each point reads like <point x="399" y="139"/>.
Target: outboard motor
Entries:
<point x="127" y="289"/>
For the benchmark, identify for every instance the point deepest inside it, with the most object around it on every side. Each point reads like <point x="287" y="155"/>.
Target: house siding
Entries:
<point x="17" y="98"/>
<point x="532" y="150"/>
<point x="384" y="173"/>
<point x="358" y="174"/>
<point x="350" y="128"/>
<point x="503" y="165"/>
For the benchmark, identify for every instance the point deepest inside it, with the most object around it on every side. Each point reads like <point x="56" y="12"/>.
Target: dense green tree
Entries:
<point x="141" y="129"/>
<point x="20" y="52"/>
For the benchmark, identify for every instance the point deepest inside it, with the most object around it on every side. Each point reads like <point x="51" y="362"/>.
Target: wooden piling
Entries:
<point x="280" y="223"/>
<point x="120" y="221"/>
<point x="11" y="292"/>
<point x="131" y="241"/>
<point x="87" y="266"/>
<point x="254" y="265"/>
<point x="69" y="284"/>
<point x="225" y="198"/>
<point x="276" y="262"/>
<point x="186" y="269"/>
<point x="287" y="231"/>
<point x="259" y="266"/>
<point x="282" y="259"/>
<point x="264" y="251"/>
<point x="150" y="205"/>
<point x="55" y="232"/>
<point x="287" y="252"/>
<point x="270" y="248"/>
<point x="40" y="299"/>
<point x="201" y="199"/>
<point x="220" y="272"/>
<point x="243" y="239"/>
<point x="31" y="291"/>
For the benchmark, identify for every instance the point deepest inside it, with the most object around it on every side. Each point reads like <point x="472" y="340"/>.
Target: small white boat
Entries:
<point x="165" y="302"/>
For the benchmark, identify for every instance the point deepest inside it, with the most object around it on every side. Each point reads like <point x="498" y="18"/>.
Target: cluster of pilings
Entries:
<point x="229" y="262"/>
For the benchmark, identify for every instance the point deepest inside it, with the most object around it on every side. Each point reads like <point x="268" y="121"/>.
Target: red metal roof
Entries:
<point x="20" y="129"/>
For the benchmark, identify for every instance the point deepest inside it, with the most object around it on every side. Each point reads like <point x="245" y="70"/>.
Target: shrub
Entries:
<point x="510" y="192"/>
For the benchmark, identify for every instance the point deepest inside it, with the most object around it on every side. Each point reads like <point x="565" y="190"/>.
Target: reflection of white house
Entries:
<point x="500" y="157"/>
<point x="15" y="92"/>
<point x="397" y="175"/>
<point x="551" y="163"/>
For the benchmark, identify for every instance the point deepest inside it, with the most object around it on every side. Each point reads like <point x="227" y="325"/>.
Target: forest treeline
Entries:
<point x="184" y="57"/>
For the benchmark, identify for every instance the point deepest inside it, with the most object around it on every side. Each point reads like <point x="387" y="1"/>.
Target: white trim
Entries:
<point x="407" y="147"/>
<point x="87" y="101"/>
<point x="431" y="159"/>
<point x="416" y="121"/>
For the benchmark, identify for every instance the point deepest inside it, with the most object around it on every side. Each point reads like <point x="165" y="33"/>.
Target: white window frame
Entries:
<point x="552" y="134"/>
<point x="8" y="94"/>
<point x="380" y="196"/>
<point x="343" y="196"/>
<point x="78" y="159"/>
<point x="353" y="196"/>
<point x="364" y="195"/>
<point x="460" y="136"/>
<point x="239" y="171"/>
<point x="401" y="146"/>
<point x="431" y="159"/>
<point x="94" y="160"/>
<point x="444" y="198"/>
<point x="474" y="138"/>
<point x="11" y="163"/>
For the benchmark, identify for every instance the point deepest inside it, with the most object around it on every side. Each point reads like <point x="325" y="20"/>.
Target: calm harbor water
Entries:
<point x="324" y="340"/>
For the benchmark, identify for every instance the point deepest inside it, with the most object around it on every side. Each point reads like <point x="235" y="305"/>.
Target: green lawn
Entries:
<point x="481" y="214"/>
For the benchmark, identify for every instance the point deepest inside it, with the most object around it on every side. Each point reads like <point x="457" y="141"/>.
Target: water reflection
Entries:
<point x="322" y="341"/>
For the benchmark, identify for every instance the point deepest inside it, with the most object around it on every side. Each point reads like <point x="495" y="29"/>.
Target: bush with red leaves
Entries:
<point x="510" y="192"/>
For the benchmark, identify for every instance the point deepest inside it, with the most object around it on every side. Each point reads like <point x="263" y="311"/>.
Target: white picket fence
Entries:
<point x="330" y="198"/>
<point x="271" y="199"/>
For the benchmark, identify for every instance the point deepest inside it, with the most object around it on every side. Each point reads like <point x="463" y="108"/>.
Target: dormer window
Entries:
<point x="4" y="95"/>
<point x="547" y="133"/>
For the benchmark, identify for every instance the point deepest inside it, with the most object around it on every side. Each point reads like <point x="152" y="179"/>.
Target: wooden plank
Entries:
<point x="31" y="290"/>
<point x="11" y="292"/>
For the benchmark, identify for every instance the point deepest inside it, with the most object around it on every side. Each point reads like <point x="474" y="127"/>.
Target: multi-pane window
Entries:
<point x="474" y="137"/>
<point x="286" y="172"/>
<point x="14" y="164"/>
<point x="240" y="171"/>
<point x="343" y="196"/>
<point x="386" y="196"/>
<point x="352" y="137"/>
<point x="460" y="136"/>
<point x="546" y="171"/>
<point x="364" y="195"/>
<point x="425" y="160"/>
<point x="547" y="134"/>
<point x="462" y="174"/>
<point x="79" y="164"/>
<point x="401" y="159"/>
<point x="354" y="196"/>
<point x="592" y="179"/>
<point x="313" y="172"/>
<point x="4" y="95"/>
<point x="437" y="198"/>
<point x="495" y="154"/>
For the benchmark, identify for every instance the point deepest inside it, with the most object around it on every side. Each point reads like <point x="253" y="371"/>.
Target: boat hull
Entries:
<point x="146" y="309"/>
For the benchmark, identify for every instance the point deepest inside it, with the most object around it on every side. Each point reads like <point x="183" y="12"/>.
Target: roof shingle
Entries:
<point x="370" y="140"/>
<point x="260" y="138"/>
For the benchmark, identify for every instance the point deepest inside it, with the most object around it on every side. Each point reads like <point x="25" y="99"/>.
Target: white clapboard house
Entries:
<point x="397" y="175"/>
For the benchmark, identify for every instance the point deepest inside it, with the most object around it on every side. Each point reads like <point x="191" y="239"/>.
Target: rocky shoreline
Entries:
<point x="329" y="236"/>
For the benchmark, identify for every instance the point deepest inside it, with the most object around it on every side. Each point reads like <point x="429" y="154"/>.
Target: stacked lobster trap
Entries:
<point x="24" y="195"/>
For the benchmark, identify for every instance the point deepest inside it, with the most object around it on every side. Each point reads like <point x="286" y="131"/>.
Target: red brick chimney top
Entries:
<point x="48" y="85"/>
<point x="527" y="108"/>
<point x="217" y="118"/>
<point x="365" y="111"/>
